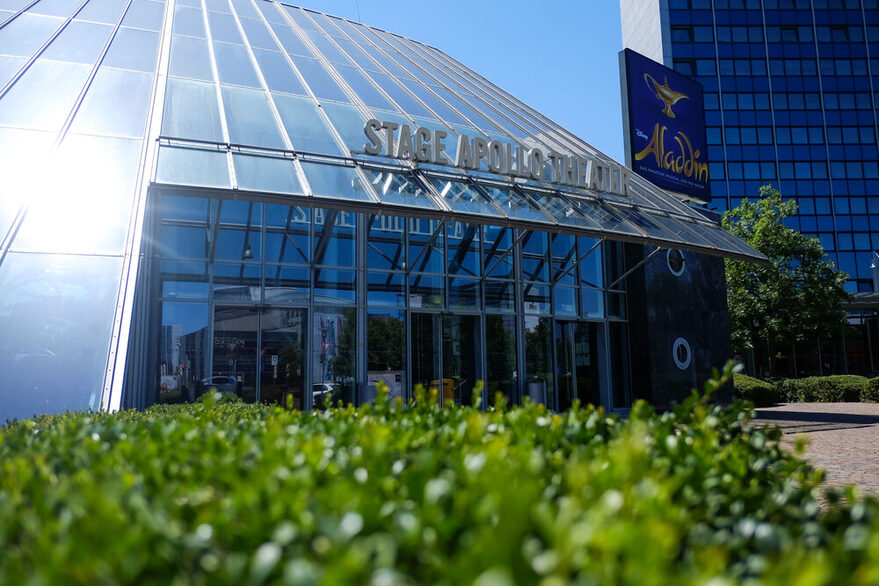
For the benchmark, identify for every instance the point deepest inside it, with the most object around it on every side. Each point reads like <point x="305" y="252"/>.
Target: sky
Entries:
<point x="558" y="56"/>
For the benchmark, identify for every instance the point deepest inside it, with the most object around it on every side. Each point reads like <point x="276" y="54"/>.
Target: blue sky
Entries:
<point x="559" y="57"/>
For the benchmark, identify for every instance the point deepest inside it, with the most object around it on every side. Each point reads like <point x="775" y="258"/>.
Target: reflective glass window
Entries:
<point x="386" y="352"/>
<point x="190" y="58"/>
<point x="318" y="80"/>
<point x="145" y="14"/>
<point x="191" y="111"/>
<point x="334" y="364"/>
<point x="62" y="8"/>
<point x="260" y="173"/>
<point x="564" y="301"/>
<point x="327" y="48"/>
<point x="399" y="188"/>
<point x="21" y="156"/>
<point x="277" y="72"/>
<point x="385" y="289"/>
<point x="334" y="238"/>
<point x="348" y="122"/>
<point x="426" y="245"/>
<point x="56" y="362"/>
<point x="334" y="286"/>
<point x="305" y="126"/>
<point x="502" y="362"/>
<point x="184" y="166"/>
<point x="79" y="42"/>
<point x="288" y="285"/>
<point x="539" y="366"/>
<point x="181" y="350"/>
<point x="384" y="247"/>
<point x="535" y="250"/>
<point x="335" y="181"/>
<point x="189" y="22"/>
<point x="515" y="205"/>
<point x="250" y="119"/>
<point x="400" y="95"/>
<point x="562" y="211"/>
<point x="104" y="11"/>
<point x="462" y="197"/>
<point x="363" y="88"/>
<point x="426" y="292"/>
<point x="9" y="66"/>
<point x="465" y="293"/>
<point x="116" y="104"/>
<point x="224" y="28"/>
<point x="463" y="245"/>
<point x="258" y="36"/>
<point x="42" y="98"/>
<point x="288" y="235"/>
<point x="564" y="259"/>
<point x="290" y="40"/>
<point x="234" y="65"/>
<point x="498" y="251"/>
<point x="133" y="49"/>
<point x="500" y="296"/>
<point x="591" y="303"/>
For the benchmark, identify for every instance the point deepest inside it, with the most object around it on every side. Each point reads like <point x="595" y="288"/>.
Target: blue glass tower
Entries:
<point x="790" y="101"/>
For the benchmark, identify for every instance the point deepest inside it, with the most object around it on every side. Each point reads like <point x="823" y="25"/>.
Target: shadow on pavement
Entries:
<point x="801" y="422"/>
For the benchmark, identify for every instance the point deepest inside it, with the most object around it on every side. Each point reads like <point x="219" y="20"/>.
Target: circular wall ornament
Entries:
<point x="680" y="352"/>
<point x="676" y="261"/>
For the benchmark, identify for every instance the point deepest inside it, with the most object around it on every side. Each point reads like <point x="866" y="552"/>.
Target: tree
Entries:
<point x="795" y="297"/>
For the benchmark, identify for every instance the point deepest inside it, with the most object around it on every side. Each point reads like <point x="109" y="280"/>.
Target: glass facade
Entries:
<point x="790" y="101"/>
<point x="186" y="185"/>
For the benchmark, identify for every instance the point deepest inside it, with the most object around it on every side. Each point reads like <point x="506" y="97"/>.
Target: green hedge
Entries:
<point x="870" y="392"/>
<point x="761" y="393"/>
<point x="822" y="389"/>
<point x="227" y="493"/>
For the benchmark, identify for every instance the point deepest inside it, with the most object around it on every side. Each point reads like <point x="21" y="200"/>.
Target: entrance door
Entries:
<point x="576" y="364"/>
<point x="282" y="366"/>
<point x="449" y="345"/>
<point x="236" y="332"/>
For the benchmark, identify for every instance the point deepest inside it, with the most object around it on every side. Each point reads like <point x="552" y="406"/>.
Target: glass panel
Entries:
<point x="464" y="198"/>
<point x="21" y="156"/>
<point x="278" y="74"/>
<point x="181" y="360"/>
<point x="385" y="352"/>
<point x="399" y="188"/>
<point x="562" y="211"/>
<point x="52" y="363"/>
<point x="258" y="36"/>
<point x="27" y="33"/>
<point x="287" y="234"/>
<point x="223" y="28"/>
<point x="235" y="352"/>
<point x="564" y="301"/>
<point x="536" y="298"/>
<point x="144" y="14"/>
<point x="364" y="89"/>
<point x="463" y="239"/>
<point x="334" y="287"/>
<point x="318" y="80"/>
<point x="288" y="285"/>
<point x="193" y="167"/>
<point x="236" y="283"/>
<point x="577" y="366"/>
<point x="497" y="255"/>
<point x="502" y="364"/>
<point x="305" y="126"/>
<point x="403" y="98"/>
<point x="564" y="257"/>
<point x="258" y="173"/>
<point x="334" y="238"/>
<point x="189" y="22"/>
<point x="465" y="294"/>
<point x="384" y="247"/>
<point x="185" y="289"/>
<point x="385" y="289"/>
<point x="47" y="7"/>
<point x="648" y="224"/>
<point x="538" y="361"/>
<point x="190" y="58"/>
<point x="9" y="66"/>
<point x="133" y="49"/>
<point x="590" y="262"/>
<point x="426" y="350"/>
<point x="106" y="11"/>
<point x="42" y="98"/>
<point x="282" y="366"/>
<point x="234" y="65"/>
<point x="619" y="360"/>
<point x="291" y="42"/>
<point x="616" y="305"/>
<point x="333" y="355"/>
<point x="183" y="242"/>
<point x="603" y="217"/>
<point x="250" y="119"/>
<point x="348" y="122"/>
<point x="462" y="357"/>
<point x="426" y="292"/>
<point x="514" y="205"/>
<point x="116" y="104"/>
<point x="426" y="245"/>
<point x="79" y="42"/>
<point x="327" y="48"/>
<point x="191" y="111"/>
<point x="334" y="181"/>
<point x="237" y="244"/>
<point x="535" y="252"/>
<point x="500" y="296"/>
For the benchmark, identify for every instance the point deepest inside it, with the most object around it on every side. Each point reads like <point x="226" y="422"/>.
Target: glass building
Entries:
<point x="789" y="101"/>
<point x="245" y="195"/>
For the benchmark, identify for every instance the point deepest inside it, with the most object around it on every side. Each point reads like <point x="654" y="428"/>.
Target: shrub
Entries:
<point x="870" y="392"/>
<point x="759" y="392"/>
<point x="228" y="493"/>
<point x="823" y="389"/>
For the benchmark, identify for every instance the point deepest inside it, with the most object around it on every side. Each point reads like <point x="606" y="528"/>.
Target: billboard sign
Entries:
<point x="665" y="126"/>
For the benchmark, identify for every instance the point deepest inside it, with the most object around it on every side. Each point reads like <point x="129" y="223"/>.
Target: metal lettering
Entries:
<point x="535" y="163"/>
<point x="463" y="158"/>
<point x="439" y="146"/>
<point x="389" y="128"/>
<point x="496" y="156"/>
<point x="374" y="146"/>
<point x="480" y="151"/>
<point x="404" y="148"/>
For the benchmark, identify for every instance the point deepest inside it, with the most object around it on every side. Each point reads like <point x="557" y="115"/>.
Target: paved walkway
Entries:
<point x="843" y="439"/>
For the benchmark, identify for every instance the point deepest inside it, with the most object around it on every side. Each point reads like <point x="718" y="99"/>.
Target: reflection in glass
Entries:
<point x="183" y="345"/>
<point x="333" y="356"/>
<point x="249" y="118"/>
<point x="462" y="345"/>
<point x="334" y="287"/>
<point x="425" y="245"/>
<point x="334" y="237"/>
<point x="304" y="125"/>
<point x="576" y="364"/>
<point x="399" y="188"/>
<point x="335" y="181"/>
<point x="42" y="97"/>
<point x="426" y="351"/>
<point x="498" y="251"/>
<point x="287" y="285"/>
<point x="384" y="247"/>
<point x="385" y="352"/>
<point x="281" y="357"/>
<point x="464" y="198"/>
<point x="619" y="363"/>
<point x="538" y="360"/>
<point x="385" y="289"/>
<point x="500" y="347"/>
<point x="426" y="291"/>
<point x="191" y="111"/>
<point x="235" y="353"/>
<point x="261" y="173"/>
<point x="465" y="294"/>
<point x="463" y="239"/>
<point x="500" y="295"/>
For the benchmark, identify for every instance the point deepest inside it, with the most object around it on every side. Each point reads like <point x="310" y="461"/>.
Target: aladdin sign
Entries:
<point x="665" y="137"/>
<point x="425" y="146"/>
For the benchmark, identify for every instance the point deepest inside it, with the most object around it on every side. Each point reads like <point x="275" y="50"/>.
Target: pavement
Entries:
<point x="843" y="439"/>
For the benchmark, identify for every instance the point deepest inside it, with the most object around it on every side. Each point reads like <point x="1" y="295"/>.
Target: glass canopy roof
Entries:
<point x="102" y="99"/>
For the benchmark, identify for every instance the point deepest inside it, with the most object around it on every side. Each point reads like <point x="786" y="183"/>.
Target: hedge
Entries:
<point x="226" y="493"/>
<point x="748" y="388"/>
<point x="823" y="389"/>
<point x="870" y="392"/>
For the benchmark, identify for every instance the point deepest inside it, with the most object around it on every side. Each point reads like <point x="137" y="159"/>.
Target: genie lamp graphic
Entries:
<point x="665" y="94"/>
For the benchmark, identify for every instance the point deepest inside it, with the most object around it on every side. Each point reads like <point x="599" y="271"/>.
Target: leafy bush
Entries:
<point x="228" y="493"/>
<point x="870" y="392"/>
<point x="748" y="388"/>
<point x="823" y="389"/>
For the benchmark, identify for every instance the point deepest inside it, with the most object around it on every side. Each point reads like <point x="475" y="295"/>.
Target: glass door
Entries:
<point x="461" y="358"/>
<point x="236" y="331"/>
<point x="282" y="366"/>
<point x="426" y="351"/>
<point x="576" y="364"/>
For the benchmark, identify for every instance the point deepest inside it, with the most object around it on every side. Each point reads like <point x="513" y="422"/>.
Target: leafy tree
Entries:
<point x="795" y="297"/>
